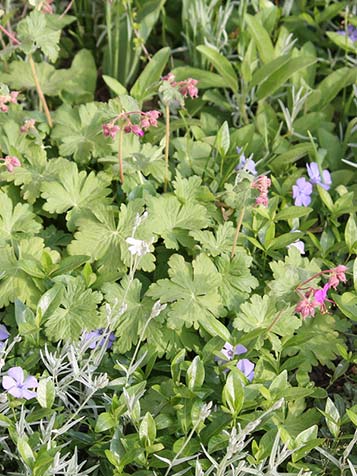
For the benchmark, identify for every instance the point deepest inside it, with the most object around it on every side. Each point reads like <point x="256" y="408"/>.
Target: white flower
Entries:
<point x="138" y="247"/>
<point x="298" y="244"/>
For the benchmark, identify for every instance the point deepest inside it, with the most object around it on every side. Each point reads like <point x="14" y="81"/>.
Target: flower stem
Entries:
<point x="69" y="6"/>
<point x="40" y="92"/>
<point x="239" y="224"/>
<point x="167" y="145"/>
<point x="120" y="155"/>
<point x="12" y="37"/>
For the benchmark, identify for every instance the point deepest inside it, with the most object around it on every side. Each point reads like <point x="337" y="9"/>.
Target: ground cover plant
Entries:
<point x="178" y="237"/>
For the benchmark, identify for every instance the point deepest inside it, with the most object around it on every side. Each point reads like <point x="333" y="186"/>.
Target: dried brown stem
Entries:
<point x="239" y="224"/>
<point x="120" y="155"/>
<point x="40" y="92"/>
<point x="167" y="145"/>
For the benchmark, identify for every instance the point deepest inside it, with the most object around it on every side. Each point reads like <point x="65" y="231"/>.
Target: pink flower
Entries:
<point x="153" y="117"/>
<point x="149" y="119"/>
<point x="47" y="7"/>
<point x="262" y="200"/>
<point x="188" y="88"/>
<point x="337" y="276"/>
<point x="262" y="184"/>
<point x="169" y="77"/>
<point x="27" y="125"/>
<point x="11" y="162"/>
<point x="320" y="295"/>
<point x="306" y="307"/>
<point x="137" y="130"/>
<point x="145" y="123"/>
<point x="13" y="97"/>
<point x="6" y="99"/>
<point x="3" y="107"/>
<point x="110" y="130"/>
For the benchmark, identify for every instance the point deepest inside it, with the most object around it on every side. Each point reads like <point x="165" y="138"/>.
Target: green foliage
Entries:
<point x="179" y="327"/>
<point x="76" y="311"/>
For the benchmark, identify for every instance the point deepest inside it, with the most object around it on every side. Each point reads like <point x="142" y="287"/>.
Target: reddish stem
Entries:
<point x="69" y="6"/>
<point x="326" y="271"/>
<point x="12" y="37"/>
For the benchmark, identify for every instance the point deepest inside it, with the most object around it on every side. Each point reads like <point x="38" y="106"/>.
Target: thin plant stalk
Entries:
<point x="67" y="9"/>
<point x="40" y="92"/>
<point x="120" y="155"/>
<point x="239" y="224"/>
<point x="167" y="145"/>
<point x="12" y="37"/>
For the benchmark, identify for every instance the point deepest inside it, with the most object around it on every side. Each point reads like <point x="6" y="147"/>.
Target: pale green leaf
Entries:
<point x="76" y="312"/>
<point x="222" y="65"/>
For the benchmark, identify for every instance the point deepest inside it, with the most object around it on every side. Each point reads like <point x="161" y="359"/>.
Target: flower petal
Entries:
<point x="313" y="172"/>
<point x="30" y="382"/>
<point x="240" y="349"/>
<point x="8" y="382"/>
<point x="246" y="366"/>
<point x="28" y="394"/>
<point x="17" y="374"/>
<point x="4" y="334"/>
<point x="16" y="392"/>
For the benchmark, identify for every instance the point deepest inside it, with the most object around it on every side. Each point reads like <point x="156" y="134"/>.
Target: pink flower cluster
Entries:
<point x="27" y="125"/>
<point x="316" y="298"/>
<point x="6" y="99"/>
<point x="11" y="162"/>
<point x="262" y="184"/>
<point x="47" y="7"/>
<point x="188" y="87"/>
<point x="147" y="119"/>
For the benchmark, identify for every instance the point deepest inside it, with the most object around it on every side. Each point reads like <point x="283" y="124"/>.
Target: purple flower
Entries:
<point x="4" y="334"/>
<point x="316" y="178"/>
<point x="229" y="351"/>
<point x="301" y="192"/>
<point x="351" y="32"/>
<point x="95" y="338"/>
<point x="245" y="163"/>
<point x="247" y="368"/>
<point x="17" y="386"/>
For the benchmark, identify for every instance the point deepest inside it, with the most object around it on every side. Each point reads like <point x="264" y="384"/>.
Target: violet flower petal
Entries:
<point x="16" y="392"/>
<point x="247" y="368"/>
<point x="17" y="374"/>
<point x="30" y="382"/>
<point x="4" y="334"/>
<point x="28" y="394"/>
<point x="8" y="382"/>
<point x="240" y="349"/>
<point x="313" y="172"/>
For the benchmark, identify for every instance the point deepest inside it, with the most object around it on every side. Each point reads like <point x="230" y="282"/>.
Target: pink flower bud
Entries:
<point x="262" y="200"/>
<point x="153" y="117"/>
<point x="137" y="130"/>
<point x="337" y="276"/>
<point x="110" y="130"/>
<point x="145" y="123"/>
<point x="27" y="125"/>
<point x="13" y="97"/>
<point x="169" y="77"/>
<point x="188" y="88"/>
<point x="306" y="308"/>
<point x="11" y="162"/>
